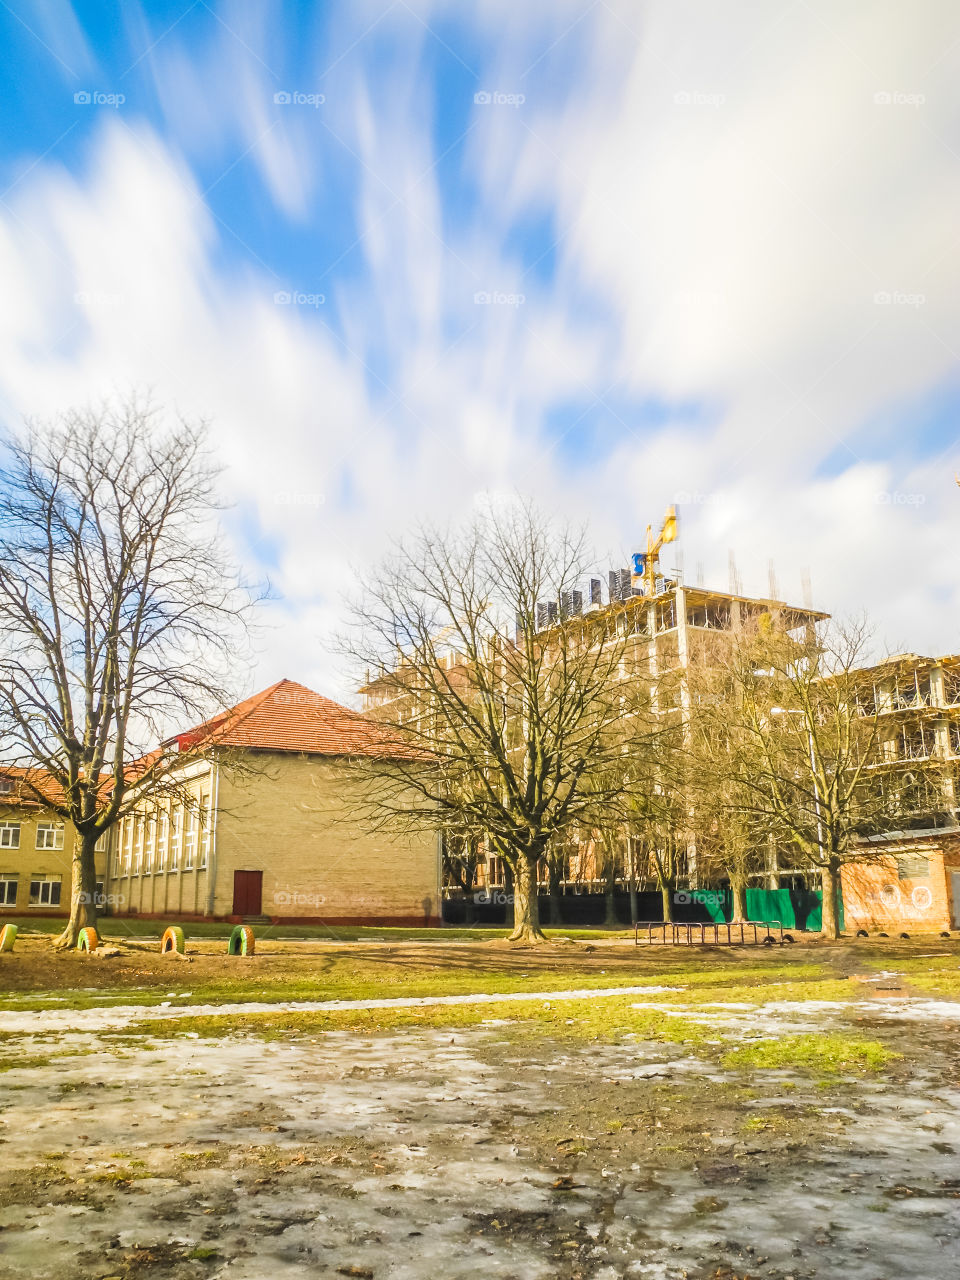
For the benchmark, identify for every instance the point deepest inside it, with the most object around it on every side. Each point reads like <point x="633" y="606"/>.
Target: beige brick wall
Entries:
<point x="27" y="862"/>
<point x="297" y="821"/>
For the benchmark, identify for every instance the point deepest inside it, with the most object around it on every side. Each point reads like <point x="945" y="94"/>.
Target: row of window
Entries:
<point x="44" y="890"/>
<point x="49" y="835"/>
<point x="158" y="841"/>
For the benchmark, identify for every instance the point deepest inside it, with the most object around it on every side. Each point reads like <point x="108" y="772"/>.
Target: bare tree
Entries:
<point x="502" y="699"/>
<point x="120" y="614"/>
<point x="729" y="827"/>
<point x="805" y="735"/>
<point x="462" y="854"/>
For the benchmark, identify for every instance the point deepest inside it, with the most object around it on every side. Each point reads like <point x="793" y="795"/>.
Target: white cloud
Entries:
<point x="720" y="256"/>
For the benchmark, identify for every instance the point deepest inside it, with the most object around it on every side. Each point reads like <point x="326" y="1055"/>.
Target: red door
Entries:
<point x="247" y="893"/>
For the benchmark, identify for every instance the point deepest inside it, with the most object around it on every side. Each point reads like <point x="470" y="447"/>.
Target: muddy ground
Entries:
<point x="502" y="1150"/>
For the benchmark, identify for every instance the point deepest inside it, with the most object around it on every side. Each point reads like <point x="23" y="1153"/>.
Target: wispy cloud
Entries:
<point x="613" y="255"/>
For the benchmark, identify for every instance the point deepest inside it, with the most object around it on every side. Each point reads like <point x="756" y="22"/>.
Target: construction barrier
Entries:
<point x="173" y="940"/>
<point x="88" y="940"/>
<point x="8" y="936"/>
<point x="241" y="941"/>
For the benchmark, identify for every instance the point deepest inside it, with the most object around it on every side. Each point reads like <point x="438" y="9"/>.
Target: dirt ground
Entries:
<point x="502" y="1149"/>
<point x="34" y="966"/>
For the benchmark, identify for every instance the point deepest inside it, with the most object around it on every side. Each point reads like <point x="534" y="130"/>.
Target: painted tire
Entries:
<point x="173" y="940"/>
<point x="88" y="940"/>
<point x="8" y="936"/>
<point x="241" y="941"/>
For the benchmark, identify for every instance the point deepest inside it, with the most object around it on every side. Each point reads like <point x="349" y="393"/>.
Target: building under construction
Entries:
<point x="910" y="875"/>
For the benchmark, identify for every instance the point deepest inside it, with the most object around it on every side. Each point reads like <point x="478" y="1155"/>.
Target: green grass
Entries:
<point x="819" y="1054"/>
<point x="364" y="976"/>
<point x="606" y="1018"/>
<point x="116" y="929"/>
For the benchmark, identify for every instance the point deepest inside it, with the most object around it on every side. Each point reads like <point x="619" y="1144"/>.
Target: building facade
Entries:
<point x="912" y="880"/>
<point x="266" y="823"/>
<point x="36" y="851"/>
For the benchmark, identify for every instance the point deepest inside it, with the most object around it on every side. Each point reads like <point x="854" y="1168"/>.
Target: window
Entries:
<point x="189" y="837"/>
<point x="6" y="786"/>
<point x="951" y="685"/>
<point x="10" y="835"/>
<point x="150" y="843"/>
<point x="175" y="837"/>
<point x="127" y="845"/>
<point x="912" y="866"/>
<point x="138" y="845"/>
<point x="163" y="840"/>
<point x="8" y="891"/>
<point x="205" y="819"/>
<point x="45" y="891"/>
<point x="49" y="835"/>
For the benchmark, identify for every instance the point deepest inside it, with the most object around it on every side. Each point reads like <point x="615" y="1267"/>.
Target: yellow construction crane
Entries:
<point x="645" y="563"/>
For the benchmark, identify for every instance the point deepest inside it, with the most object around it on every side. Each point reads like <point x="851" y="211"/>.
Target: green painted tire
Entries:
<point x="241" y="941"/>
<point x="88" y="940"/>
<point x="173" y="940"/>
<point x="8" y="936"/>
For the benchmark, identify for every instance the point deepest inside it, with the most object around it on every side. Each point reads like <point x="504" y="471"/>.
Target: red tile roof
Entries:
<point x="28" y="786"/>
<point x="290" y="717"/>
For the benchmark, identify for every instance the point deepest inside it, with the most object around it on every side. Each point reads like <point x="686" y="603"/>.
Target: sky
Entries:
<point x="608" y="254"/>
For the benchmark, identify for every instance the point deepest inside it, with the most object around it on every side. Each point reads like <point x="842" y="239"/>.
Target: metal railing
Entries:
<point x="743" y="933"/>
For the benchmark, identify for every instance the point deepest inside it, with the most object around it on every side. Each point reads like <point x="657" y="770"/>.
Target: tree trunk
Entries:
<point x="829" y="920"/>
<point x="526" y="905"/>
<point x="508" y="890"/>
<point x="556" y="900"/>
<point x="666" y="896"/>
<point x="634" y="907"/>
<point x="469" y="909"/>
<point x="610" y="910"/>
<point x="83" y="891"/>
<point x="738" y="894"/>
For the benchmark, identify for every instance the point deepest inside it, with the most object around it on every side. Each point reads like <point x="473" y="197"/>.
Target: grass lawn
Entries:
<point x="118" y="929"/>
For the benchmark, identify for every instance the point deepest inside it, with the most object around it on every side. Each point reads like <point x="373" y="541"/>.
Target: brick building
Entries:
<point x="915" y="882"/>
<point x="36" y="847"/>
<point x="263" y="825"/>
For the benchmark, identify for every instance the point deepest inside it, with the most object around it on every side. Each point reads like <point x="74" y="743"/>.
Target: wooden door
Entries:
<point x="247" y="893"/>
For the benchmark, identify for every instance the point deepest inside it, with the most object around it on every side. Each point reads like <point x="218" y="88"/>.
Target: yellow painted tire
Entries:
<point x="8" y="936"/>
<point x="173" y="940"/>
<point x="241" y="941"/>
<point x="88" y="940"/>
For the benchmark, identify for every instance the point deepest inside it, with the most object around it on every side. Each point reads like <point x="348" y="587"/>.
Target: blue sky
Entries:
<point x="613" y="255"/>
